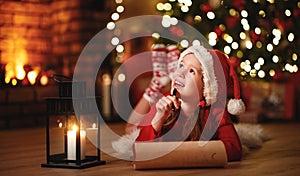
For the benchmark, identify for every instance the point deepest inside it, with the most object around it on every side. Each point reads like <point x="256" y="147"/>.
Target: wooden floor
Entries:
<point x="22" y="151"/>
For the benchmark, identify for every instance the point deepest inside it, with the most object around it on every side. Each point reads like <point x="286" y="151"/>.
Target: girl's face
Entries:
<point x="188" y="79"/>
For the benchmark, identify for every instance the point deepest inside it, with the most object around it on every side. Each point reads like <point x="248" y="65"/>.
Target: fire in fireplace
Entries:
<point x="23" y="75"/>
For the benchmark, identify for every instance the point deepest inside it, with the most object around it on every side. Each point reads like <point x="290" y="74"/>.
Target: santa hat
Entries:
<point x="212" y="62"/>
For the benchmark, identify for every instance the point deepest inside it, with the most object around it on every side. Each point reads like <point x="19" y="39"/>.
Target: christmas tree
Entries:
<point x="261" y="36"/>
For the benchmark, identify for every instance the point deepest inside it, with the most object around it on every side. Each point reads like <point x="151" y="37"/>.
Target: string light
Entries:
<point x="197" y="19"/>
<point x="257" y="30"/>
<point x="228" y="38"/>
<point x="110" y="25"/>
<point x="253" y="73"/>
<point x="291" y="37"/>
<point x="244" y="13"/>
<point x="156" y="35"/>
<point x="239" y="54"/>
<point x="212" y="38"/>
<point x="227" y="49"/>
<point x="167" y="6"/>
<point x="211" y="15"/>
<point x="261" y="61"/>
<point x="262" y="13"/>
<point x="196" y="43"/>
<point x="294" y="57"/>
<point x="115" y="16"/>
<point x="160" y="6"/>
<point x="234" y="45"/>
<point x="121" y="77"/>
<point x="275" y="59"/>
<point x="287" y="13"/>
<point x="248" y="44"/>
<point x="120" y="9"/>
<point x="261" y="74"/>
<point x="257" y="66"/>
<point x="166" y="21"/>
<point x="247" y="68"/>
<point x="277" y="33"/>
<point x="295" y="68"/>
<point x="243" y="35"/>
<point x="115" y="41"/>
<point x="232" y="12"/>
<point x="275" y="41"/>
<point x="258" y="44"/>
<point x="272" y="72"/>
<point x="184" y="43"/>
<point x="184" y="8"/>
<point x="270" y="47"/>
<point x="120" y="48"/>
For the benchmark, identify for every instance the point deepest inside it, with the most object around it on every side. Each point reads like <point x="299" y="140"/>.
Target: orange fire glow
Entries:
<point x="16" y="58"/>
<point x="44" y="80"/>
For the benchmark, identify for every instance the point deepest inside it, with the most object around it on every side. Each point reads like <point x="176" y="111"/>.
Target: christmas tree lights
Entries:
<point x="261" y="36"/>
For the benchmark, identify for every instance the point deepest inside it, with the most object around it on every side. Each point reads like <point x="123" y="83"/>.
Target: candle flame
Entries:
<point x="75" y="128"/>
<point x="94" y="125"/>
<point x="60" y="125"/>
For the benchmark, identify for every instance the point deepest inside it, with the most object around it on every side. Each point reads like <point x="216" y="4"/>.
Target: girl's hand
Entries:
<point x="166" y="104"/>
<point x="164" y="109"/>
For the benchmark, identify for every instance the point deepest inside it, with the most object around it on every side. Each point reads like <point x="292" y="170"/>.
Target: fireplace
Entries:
<point x="40" y="38"/>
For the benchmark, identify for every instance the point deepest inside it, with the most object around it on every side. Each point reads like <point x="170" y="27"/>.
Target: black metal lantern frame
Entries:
<point x="72" y="140"/>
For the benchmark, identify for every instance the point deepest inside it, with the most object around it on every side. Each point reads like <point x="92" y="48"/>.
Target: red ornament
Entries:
<point x="283" y="24"/>
<point x="218" y="31"/>
<point x="232" y="21"/>
<point x="288" y="24"/>
<point x="279" y="76"/>
<point x="239" y="4"/>
<point x="206" y="7"/>
<point x="296" y="12"/>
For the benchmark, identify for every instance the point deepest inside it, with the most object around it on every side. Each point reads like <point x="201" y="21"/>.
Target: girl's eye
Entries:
<point x="180" y="65"/>
<point x="192" y="71"/>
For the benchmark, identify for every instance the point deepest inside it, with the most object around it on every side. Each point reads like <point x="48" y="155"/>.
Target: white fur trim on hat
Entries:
<point x="236" y="106"/>
<point x="210" y="89"/>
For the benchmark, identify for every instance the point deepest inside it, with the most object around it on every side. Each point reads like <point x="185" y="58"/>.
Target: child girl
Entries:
<point x="196" y="108"/>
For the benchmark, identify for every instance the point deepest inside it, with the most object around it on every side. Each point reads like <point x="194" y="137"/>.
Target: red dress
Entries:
<point x="225" y="131"/>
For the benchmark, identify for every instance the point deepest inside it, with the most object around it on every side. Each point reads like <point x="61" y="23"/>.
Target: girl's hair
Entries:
<point x="170" y="122"/>
<point x="194" y="123"/>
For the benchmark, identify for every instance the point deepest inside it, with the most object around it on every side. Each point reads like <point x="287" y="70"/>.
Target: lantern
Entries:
<point x="72" y="139"/>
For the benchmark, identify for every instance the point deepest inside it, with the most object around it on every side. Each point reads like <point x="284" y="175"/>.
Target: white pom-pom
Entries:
<point x="236" y="106"/>
<point x="124" y="145"/>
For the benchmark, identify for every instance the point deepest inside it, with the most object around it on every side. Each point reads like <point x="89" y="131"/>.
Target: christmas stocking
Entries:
<point x="173" y="56"/>
<point x="160" y="73"/>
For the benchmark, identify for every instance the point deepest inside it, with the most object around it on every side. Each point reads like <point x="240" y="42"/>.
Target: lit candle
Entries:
<point x="92" y="133"/>
<point x="57" y="138"/>
<point x="106" y="98"/>
<point x="72" y="144"/>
